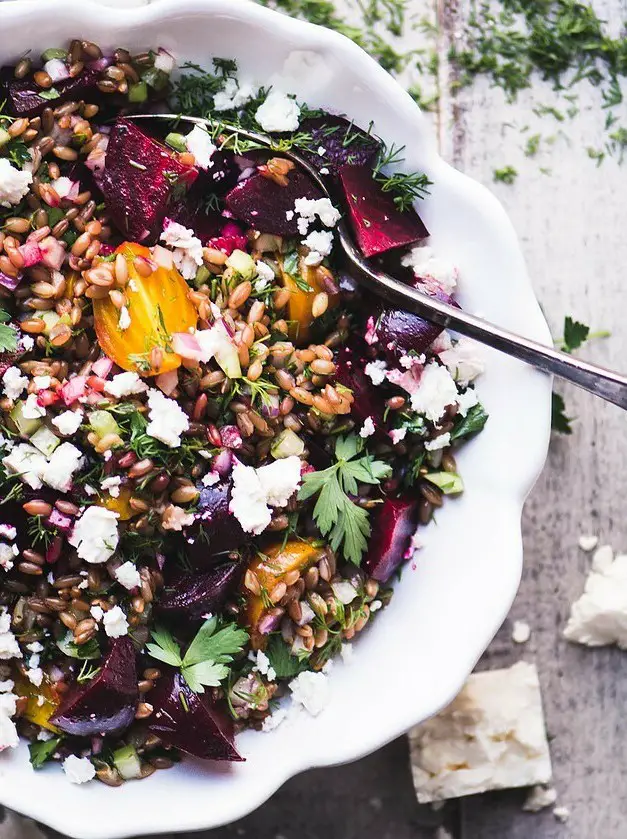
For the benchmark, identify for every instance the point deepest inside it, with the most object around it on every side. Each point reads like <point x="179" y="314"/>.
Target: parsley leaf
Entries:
<point x="42" y="750"/>
<point x="165" y="649"/>
<point x="472" y="423"/>
<point x="337" y="517"/>
<point x="8" y="335"/>
<point x="285" y="665"/>
<point x="559" y="421"/>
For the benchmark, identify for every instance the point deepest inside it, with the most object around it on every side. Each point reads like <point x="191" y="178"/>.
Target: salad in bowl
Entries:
<point x="216" y="446"/>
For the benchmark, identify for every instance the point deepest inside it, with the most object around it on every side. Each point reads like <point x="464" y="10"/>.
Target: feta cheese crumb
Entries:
<point x="466" y="401"/>
<point x="127" y="575"/>
<point x="176" y="518"/>
<point x="9" y="648"/>
<point x="311" y="690"/>
<point x="309" y="208"/>
<point x="248" y="500"/>
<point x="492" y="736"/>
<point x="274" y="720"/>
<point x="112" y="485"/>
<point x="588" y="543"/>
<point x="125" y="384"/>
<point x="376" y="371"/>
<point x="14" y="183"/>
<point x="115" y="623"/>
<point x="463" y="360"/>
<point x="13" y="383"/>
<point x="539" y="797"/>
<point x="97" y="613"/>
<point x="63" y="463"/>
<point x="35" y="676"/>
<point x="79" y="770"/>
<point x="367" y="429"/>
<point x="7" y="556"/>
<point x="8" y="732"/>
<point x="427" y="266"/>
<point x="521" y="632"/>
<point x="280" y="480"/>
<point x="279" y="112"/>
<point x="233" y="96"/>
<point x="8" y="531"/>
<point x="199" y="144"/>
<point x="27" y="462"/>
<point x="32" y="409"/>
<point x="599" y="617"/>
<point x="263" y="666"/>
<point x="562" y="814"/>
<point x="435" y="392"/>
<point x="124" y="320"/>
<point x="439" y="442"/>
<point x="68" y="422"/>
<point x="397" y="435"/>
<point x="41" y="382"/>
<point x="187" y="248"/>
<point x="167" y="419"/>
<point x="95" y="535"/>
<point x="320" y="241"/>
<point x="347" y="652"/>
<point x="210" y="479"/>
<point x="264" y="272"/>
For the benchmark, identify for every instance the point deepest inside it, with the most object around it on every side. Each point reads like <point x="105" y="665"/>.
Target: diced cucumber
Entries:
<point x="138" y="92"/>
<point x="53" y="52"/>
<point x="103" y="423"/>
<point x="286" y="444"/>
<point x="45" y="440"/>
<point x="242" y="263"/>
<point x="127" y="762"/>
<point x="226" y="352"/>
<point x="51" y="319"/>
<point x="176" y="141"/>
<point x="24" y="425"/>
<point x="449" y="482"/>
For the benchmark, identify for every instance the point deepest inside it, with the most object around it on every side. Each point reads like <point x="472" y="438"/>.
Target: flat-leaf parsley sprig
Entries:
<point x="205" y="664"/>
<point x="346" y="524"/>
<point x="8" y="335"/>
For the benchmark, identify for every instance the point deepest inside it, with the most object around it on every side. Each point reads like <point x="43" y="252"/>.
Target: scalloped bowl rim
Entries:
<point x="467" y="220"/>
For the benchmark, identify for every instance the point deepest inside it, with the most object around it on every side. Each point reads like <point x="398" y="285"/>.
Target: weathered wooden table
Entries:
<point x="570" y="216"/>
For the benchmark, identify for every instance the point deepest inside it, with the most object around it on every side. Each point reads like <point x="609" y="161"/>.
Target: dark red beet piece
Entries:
<point x="215" y="530"/>
<point x="141" y="182"/>
<point x="107" y="703"/>
<point x="399" y="331"/>
<point x="193" y="595"/>
<point x="376" y="222"/>
<point x="263" y="204"/>
<point x="369" y="399"/>
<point x="392" y="528"/>
<point x="24" y="97"/>
<point x="189" y="721"/>
<point x="342" y="140"/>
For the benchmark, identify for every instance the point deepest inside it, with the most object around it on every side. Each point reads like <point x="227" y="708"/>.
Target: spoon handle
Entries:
<point x="607" y="384"/>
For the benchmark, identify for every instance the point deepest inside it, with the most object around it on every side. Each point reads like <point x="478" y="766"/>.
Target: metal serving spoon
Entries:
<point x="601" y="382"/>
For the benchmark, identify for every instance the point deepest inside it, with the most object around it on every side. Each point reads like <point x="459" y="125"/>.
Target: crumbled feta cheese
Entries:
<point x="112" y="485"/>
<point x="97" y="613"/>
<point x="466" y="401"/>
<point x="588" y="543"/>
<point x="307" y="210"/>
<point x="539" y="797"/>
<point x="7" y="556"/>
<point x="264" y="272"/>
<point x="41" y="382"/>
<point x="176" y="518"/>
<point x="115" y="623"/>
<point x="187" y="248"/>
<point x="32" y="409"/>
<point x="439" y="442"/>
<point x="95" y="535"/>
<point x="128" y="576"/>
<point x="263" y="666"/>
<point x="35" y="647"/>
<point x="35" y="676"/>
<point x="14" y="183"/>
<point x="8" y="732"/>
<point x="248" y="500"/>
<point x="233" y="95"/>
<point x="562" y="814"/>
<point x="125" y="384"/>
<point x="398" y="434"/>
<point x="9" y="648"/>
<point x="167" y="419"/>
<point x="599" y="617"/>
<point x="375" y="606"/>
<point x="7" y="686"/>
<point x="63" y="463"/>
<point x="280" y="480"/>
<point x="320" y="241"/>
<point x="13" y="383"/>
<point x="274" y="720"/>
<point x="311" y="690"/>
<point x="79" y="770"/>
<point x="376" y="371"/>
<point x="521" y="632"/>
<point x="8" y="531"/>
<point x="68" y="422"/>
<point x="199" y="144"/>
<point x="435" y="392"/>
<point x="324" y="170"/>
<point x="210" y="479"/>
<point x="42" y="734"/>
<point x="492" y="736"/>
<point x="427" y="266"/>
<point x="27" y="341"/>
<point x="124" y="320"/>
<point x="279" y="112"/>
<point x="27" y="462"/>
<point x="347" y="651"/>
<point x="313" y="258"/>
<point x="367" y="429"/>
<point x="89" y="489"/>
<point x="463" y="361"/>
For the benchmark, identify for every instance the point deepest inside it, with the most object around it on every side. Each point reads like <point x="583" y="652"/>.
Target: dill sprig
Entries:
<point x="406" y="187"/>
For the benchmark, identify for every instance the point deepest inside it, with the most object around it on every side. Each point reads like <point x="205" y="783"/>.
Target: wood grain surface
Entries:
<point x="571" y="220"/>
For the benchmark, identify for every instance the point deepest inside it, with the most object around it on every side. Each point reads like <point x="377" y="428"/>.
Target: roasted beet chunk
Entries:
<point x="193" y="595"/>
<point x="369" y="400"/>
<point x="192" y="723"/>
<point x="215" y="530"/>
<point x="141" y="182"/>
<point x="342" y="141"/>
<point x="376" y="222"/>
<point x="400" y="332"/>
<point x="392" y="528"/>
<point x="107" y="703"/>
<point x="269" y="207"/>
<point x="24" y="97"/>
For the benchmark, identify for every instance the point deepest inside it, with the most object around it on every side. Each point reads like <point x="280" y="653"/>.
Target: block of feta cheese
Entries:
<point x="599" y="617"/>
<point x="492" y="736"/>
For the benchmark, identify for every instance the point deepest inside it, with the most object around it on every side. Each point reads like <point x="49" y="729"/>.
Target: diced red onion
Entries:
<point x="164" y="61"/>
<point x="230" y="436"/>
<point x="73" y="389"/>
<point x="186" y="345"/>
<point x="222" y="462"/>
<point x="102" y="367"/>
<point x="60" y="520"/>
<point x="167" y="382"/>
<point x="53" y="252"/>
<point x="268" y="624"/>
<point x="163" y="257"/>
<point x="31" y="253"/>
<point x="101" y="63"/>
<point x="57" y="69"/>
<point x="10" y="283"/>
<point x="344" y="592"/>
<point x="271" y="409"/>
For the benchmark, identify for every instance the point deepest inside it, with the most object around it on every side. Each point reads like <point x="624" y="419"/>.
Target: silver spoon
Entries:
<point x="601" y="382"/>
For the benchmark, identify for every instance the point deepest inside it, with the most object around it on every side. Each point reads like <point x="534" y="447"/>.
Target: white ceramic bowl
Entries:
<point x="446" y="610"/>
